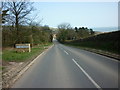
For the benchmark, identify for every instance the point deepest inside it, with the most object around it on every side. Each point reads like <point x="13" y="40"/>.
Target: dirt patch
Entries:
<point x="10" y="71"/>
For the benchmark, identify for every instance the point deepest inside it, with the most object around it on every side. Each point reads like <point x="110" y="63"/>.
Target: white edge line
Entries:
<point x="97" y="86"/>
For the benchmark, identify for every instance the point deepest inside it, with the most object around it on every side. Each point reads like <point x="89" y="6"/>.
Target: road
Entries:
<point x="67" y="67"/>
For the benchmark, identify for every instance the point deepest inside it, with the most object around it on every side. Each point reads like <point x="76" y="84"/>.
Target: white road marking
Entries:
<point x="66" y="52"/>
<point x="97" y="86"/>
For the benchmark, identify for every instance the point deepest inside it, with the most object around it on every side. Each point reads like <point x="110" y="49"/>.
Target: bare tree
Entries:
<point x="63" y="31"/>
<point x="64" y="26"/>
<point x="18" y="11"/>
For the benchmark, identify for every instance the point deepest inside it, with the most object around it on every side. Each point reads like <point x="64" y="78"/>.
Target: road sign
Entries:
<point x="23" y="47"/>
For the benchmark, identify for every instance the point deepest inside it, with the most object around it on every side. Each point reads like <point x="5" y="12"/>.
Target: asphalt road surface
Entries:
<point x="67" y="67"/>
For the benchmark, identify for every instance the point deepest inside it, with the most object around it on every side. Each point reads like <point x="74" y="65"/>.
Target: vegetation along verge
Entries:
<point x="103" y="43"/>
<point x="106" y="44"/>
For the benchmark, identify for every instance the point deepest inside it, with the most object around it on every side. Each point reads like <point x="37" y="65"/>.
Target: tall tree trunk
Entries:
<point x="17" y="29"/>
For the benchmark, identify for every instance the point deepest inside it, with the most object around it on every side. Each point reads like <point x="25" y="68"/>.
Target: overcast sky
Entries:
<point x="88" y="14"/>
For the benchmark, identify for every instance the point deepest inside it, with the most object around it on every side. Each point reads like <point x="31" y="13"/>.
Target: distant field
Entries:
<point x="11" y="55"/>
<point x="106" y="41"/>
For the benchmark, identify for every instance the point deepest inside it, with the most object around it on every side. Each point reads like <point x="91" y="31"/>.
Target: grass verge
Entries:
<point x="11" y="55"/>
<point x="98" y="51"/>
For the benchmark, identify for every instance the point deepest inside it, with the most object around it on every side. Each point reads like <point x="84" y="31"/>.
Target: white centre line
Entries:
<point x="66" y="52"/>
<point x="97" y="86"/>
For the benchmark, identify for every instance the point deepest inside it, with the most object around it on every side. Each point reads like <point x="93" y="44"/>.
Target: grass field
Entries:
<point x="12" y="55"/>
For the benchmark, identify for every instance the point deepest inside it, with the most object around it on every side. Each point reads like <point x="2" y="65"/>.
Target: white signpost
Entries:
<point x="23" y="47"/>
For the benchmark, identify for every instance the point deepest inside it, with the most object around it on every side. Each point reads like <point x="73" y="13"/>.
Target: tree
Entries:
<point x="66" y="32"/>
<point x="83" y="32"/>
<point x="18" y="10"/>
<point x="63" y="31"/>
<point x="64" y="26"/>
<point x="46" y="28"/>
<point x="71" y="35"/>
<point x="4" y="13"/>
<point x="92" y="32"/>
<point x="76" y="29"/>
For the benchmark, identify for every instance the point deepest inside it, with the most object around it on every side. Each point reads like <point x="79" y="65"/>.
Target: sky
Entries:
<point x="78" y="14"/>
